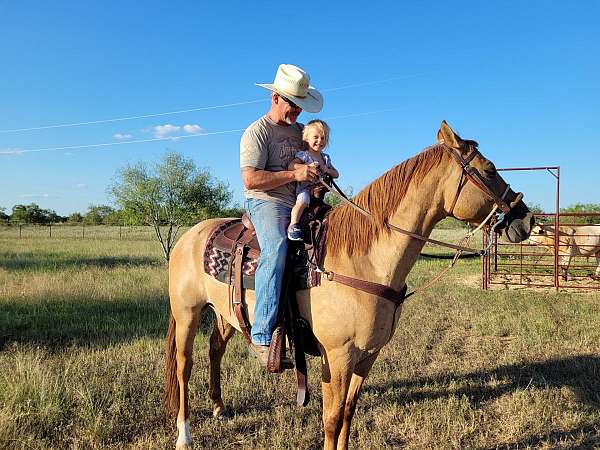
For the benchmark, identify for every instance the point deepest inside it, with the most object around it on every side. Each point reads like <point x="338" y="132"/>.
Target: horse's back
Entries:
<point x="186" y="265"/>
<point x="587" y="239"/>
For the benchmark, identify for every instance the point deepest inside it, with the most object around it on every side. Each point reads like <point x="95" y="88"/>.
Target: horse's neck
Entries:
<point x="393" y="255"/>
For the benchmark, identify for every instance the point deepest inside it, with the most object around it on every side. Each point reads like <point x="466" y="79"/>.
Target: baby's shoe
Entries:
<point x="294" y="233"/>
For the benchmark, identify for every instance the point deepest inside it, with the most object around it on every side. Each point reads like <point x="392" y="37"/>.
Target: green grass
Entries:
<point x="79" y="231"/>
<point x="82" y="358"/>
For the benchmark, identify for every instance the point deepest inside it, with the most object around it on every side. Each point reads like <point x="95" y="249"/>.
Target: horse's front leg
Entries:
<point x="596" y="275"/>
<point x="358" y="377"/>
<point x="565" y="262"/>
<point x="336" y="374"/>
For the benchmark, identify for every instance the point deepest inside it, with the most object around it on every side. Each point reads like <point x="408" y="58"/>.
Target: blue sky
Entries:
<point x="522" y="78"/>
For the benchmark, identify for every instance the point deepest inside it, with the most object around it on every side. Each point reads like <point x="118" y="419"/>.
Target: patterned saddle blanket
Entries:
<point x="220" y="248"/>
<point x="219" y="253"/>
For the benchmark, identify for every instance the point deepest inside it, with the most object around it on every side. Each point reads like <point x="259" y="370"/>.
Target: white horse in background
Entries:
<point x="572" y="241"/>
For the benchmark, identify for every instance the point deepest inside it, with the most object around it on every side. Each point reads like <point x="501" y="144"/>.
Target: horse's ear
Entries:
<point x="448" y="136"/>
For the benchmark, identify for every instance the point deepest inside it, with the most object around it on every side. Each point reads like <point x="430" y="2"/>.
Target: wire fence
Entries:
<point x="80" y="231"/>
<point x="450" y="232"/>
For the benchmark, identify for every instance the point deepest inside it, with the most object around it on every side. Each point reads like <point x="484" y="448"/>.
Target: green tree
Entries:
<point x="582" y="208"/>
<point x="116" y="217"/>
<point x="3" y="216"/>
<point x="169" y="195"/>
<point x="234" y="211"/>
<point x="97" y="214"/>
<point x="334" y="200"/>
<point x="52" y="217"/>
<point x="75" y="218"/>
<point x="32" y="213"/>
<point x="535" y="208"/>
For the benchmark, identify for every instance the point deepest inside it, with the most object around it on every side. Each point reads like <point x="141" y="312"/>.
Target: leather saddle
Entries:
<point x="231" y="256"/>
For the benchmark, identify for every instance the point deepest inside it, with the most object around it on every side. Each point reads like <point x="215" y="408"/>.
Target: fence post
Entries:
<point x="20" y="232"/>
<point x="83" y="230"/>
<point x="484" y="275"/>
<point x="50" y="229"/>
<point x="120" y="232"/>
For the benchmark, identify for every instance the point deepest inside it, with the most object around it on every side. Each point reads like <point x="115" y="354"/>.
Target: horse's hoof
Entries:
<point x="184" y="436"/>
<point x="223" y="413"/>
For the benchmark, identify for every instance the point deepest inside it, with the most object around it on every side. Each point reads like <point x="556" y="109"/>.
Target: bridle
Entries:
<point x="471" y="174"/>
<point x="478" y="180"/>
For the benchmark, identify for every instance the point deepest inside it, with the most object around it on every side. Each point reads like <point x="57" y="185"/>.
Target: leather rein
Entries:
<point x="473" y="175"/>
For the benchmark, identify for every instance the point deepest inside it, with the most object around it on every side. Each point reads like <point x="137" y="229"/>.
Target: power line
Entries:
<point x="171" y="138"/>
<point x="183" y="111"/>
<point x="367" y="113"/>
<point x="110" y="144"/>
<point x="120" y="119"/>
<point x="371" y="83"/>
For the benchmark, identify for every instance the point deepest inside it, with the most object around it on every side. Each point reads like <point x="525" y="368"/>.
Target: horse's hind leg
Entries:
<point x="222" y="332"/>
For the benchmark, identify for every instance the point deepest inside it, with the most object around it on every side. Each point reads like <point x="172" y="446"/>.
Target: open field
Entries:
<point x="79" y="231"/>
<point x="82" y="327"/>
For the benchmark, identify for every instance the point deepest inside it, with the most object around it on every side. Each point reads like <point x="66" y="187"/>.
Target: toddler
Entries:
<point x="315" y="137"/>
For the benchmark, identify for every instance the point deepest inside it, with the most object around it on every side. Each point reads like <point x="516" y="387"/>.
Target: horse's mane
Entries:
<point x="350" y="230"/>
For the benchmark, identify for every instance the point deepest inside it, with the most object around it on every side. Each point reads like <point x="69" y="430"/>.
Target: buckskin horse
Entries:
<point x="450" y="178"/>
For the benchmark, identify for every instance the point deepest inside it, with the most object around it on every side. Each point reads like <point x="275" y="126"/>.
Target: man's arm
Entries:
<point x="265" y="180"/>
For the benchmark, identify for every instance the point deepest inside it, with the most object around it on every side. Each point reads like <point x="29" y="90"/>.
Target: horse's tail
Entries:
<point x="171" y="399"/>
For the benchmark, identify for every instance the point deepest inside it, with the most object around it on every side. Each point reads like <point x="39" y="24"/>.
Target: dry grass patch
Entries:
<point x="82" y="356"/>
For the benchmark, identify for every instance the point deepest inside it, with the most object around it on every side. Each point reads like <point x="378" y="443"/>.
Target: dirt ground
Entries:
<point x="529" y="281"/>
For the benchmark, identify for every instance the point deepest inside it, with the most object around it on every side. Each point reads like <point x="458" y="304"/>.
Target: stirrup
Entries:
<point x="278" y="361"/>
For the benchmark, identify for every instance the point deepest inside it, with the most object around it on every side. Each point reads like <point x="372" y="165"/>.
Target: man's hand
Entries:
<point x="307" y="172"/>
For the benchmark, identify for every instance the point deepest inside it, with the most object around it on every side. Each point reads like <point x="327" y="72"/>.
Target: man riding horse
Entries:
<point x="266" y="148"/>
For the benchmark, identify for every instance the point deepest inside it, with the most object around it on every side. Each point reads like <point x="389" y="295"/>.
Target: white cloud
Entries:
<point x="168" y="130"/>
<point x="34" y="196"/>
<point x="162" y="131"/>
<point x="122" y="136"/>
<point x="193" y="129"/>
<point x="11" y="151"/>
<point x="80" y="186"/>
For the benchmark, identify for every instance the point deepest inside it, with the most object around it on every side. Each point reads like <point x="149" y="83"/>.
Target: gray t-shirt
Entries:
<point x="265" y="145"/>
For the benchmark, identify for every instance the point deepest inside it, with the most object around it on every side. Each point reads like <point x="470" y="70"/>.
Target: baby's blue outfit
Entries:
<point x="302" y="188"/>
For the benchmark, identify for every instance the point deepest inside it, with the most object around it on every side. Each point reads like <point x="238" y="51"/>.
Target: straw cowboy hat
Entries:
<point x="293" y="83"/>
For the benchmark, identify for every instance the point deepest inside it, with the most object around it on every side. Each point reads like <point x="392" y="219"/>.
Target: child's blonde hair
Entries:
<point x="319" y="125"/>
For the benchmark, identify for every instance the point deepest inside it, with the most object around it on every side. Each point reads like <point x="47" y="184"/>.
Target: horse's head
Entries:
<point x="479" y="188"/>
<point x="538" y="230"/>
<point x="540" y="236"/>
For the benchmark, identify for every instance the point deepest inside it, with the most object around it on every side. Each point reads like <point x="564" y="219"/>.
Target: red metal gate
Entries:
<point x="544" y="260"/>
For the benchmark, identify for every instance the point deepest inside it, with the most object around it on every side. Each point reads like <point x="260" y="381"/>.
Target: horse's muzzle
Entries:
<point x="518" y="230"/>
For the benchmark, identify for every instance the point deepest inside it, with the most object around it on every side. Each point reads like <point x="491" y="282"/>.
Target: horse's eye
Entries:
<point x="490" y="170"/>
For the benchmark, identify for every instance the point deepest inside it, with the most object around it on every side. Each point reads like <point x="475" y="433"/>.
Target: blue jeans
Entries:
<point x="270" y="220"/>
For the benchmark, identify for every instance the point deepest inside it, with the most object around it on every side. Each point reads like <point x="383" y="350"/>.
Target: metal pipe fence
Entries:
<point x="555" y="260"/>
<point x="566" y="256"/>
